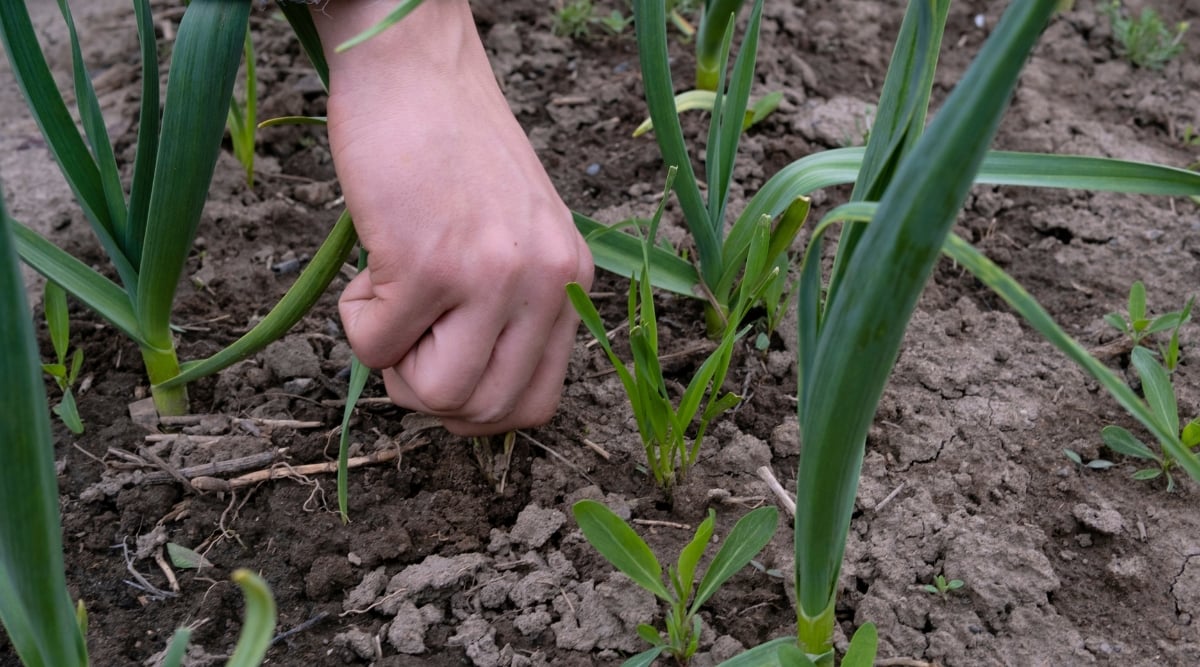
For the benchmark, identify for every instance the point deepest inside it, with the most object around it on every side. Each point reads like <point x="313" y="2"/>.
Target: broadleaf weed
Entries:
<point x="1145" y="40"/>
<point x="1160" y="395"/>
<point x="685" y="592"/>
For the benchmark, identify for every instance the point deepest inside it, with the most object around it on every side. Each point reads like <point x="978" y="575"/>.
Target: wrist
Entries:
<point x="434" y="43"/>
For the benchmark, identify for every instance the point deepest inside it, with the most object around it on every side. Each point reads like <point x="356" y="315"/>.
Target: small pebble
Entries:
<point x="980" y="21"/>
<point x="621" y="68"/>
<point x="298" y="385"/>
<point x="593" y="169"/>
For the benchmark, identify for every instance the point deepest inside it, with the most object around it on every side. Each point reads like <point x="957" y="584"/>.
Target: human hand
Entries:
<point x="462" y="303"/>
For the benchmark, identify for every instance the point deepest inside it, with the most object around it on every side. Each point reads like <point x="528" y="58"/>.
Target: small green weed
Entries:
<point x="1160" y="395"/>
<point x="1146" y="40"/>
<point x="1136" y="323"/>
<point x="1094" y="464"/>
<point x="941" y="586"/>
<point x="664" y="425"/>
<point x="54" y="302"/>
<point x="242" y="119"/>
<point x="576" y="18"/>
<point x="630" y="554"/>
<point x="1190" y="137"/>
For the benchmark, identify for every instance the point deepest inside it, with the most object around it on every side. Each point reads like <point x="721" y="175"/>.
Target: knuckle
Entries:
<point x="442" y="398"/>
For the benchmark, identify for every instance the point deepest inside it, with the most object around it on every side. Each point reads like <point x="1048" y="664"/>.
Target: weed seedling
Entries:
<point x="629" y="553"/>
<point x="494" y="469"/>
<point x="574" y="19"/>
<point x="1094" y="464"/>
<point x="1160" y="395"/>
<point x="1146" y="40"/>
<point x="54" y="302"/>
<point x="662" y="423"/>
<point x="242" y="120"/>
<point x="1138" y="325"/>
<point x="941" y="586"/>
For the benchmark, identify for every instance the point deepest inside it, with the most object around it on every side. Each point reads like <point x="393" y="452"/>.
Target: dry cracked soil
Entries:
<point x="964" y="474"/>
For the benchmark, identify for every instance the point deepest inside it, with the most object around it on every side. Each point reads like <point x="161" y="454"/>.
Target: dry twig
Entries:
<point x="767" y="475"/>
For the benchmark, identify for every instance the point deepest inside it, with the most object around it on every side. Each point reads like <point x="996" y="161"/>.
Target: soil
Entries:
<point x="964" y="474"/>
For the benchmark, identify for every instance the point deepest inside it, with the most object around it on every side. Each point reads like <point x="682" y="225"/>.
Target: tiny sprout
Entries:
<point x="941" y="586"/>
<point x="1094" y="464"/>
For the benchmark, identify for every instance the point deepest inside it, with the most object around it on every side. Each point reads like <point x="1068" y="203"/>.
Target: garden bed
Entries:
<point x="964" y="474"/>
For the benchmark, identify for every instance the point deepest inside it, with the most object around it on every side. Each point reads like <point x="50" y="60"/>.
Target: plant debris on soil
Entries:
<point x="964" y="474"/>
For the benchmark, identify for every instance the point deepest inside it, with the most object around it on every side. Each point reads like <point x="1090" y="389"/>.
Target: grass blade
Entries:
<point x="404" y="8"/>
<point x="763" y="655"/>
<point x="298" y="300"/>
<point x="34" y="605"/>
<point x="689" y="557"/>
<point x="621" y="254"/>
<point x="900" y="121"/>
<point x="259" y="626"/>
<point x="58" y="323"/>
<point x="645" y="658"/>
<point x="619" y="545"/>
<point x="1086" y="173"/>
<point x="177" y="649"/>
<point x="359" y="374"/>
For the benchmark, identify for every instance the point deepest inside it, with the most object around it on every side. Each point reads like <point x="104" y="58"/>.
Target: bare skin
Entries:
<point x="462" y="304"/>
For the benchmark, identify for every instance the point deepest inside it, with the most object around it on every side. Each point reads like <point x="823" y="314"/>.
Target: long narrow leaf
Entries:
<point x="97" y="135"/>
<point x="1027" y="307"/>
<point x="34" y="604"/>
<point x="906" y="95"/>
<point x="1121" y="441"/>
<point x="147" y="138"/>
<point x="1020" y="300"/>
<point x="645" y="658"/>
<point x="58" y="128"/>
<point x="177" y="649"/>
<point x="204" y="65"/>
<point x="689" y="557"/>
<point x="302" y="24"/>
<point x="298" y="300"/>
<point x="359" y="373"/>
<point x="866" y="319"/>
<point x="650" y="24"/>
<point x="621" y="254"/>
<point x="734" y="108"/>
<point x="81" y="281"/>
